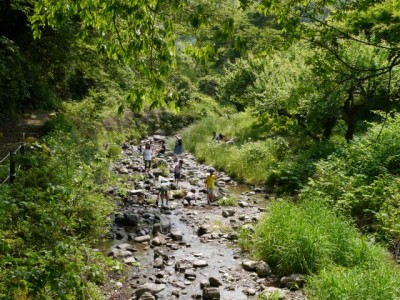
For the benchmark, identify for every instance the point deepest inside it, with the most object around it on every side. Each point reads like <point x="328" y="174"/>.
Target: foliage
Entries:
<point x="66" y="271"/>
<point x="376" y="283"/>
<point x="13" y="85"/>
<point x="245" y="240"/>
<point x="297" y="165"/>
<point x="238" y="81"/>
<point x="228" y="201"/>
<point x="306" y="238"/>
<point x="219" y="226"/>
<point x="361" y="180"/>
<point x="114" y="151"/>
<point x="254" y="154"/>
<point x="49" y="215"/>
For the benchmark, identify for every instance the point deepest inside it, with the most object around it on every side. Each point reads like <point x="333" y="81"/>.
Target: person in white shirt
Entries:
<point x="147" y="156"/>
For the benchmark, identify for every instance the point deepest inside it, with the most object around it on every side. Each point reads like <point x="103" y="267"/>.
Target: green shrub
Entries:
<point x="296" y="166"/>
<point x="245" y="240"/>
<point x="337" y="283"/>
<point x="228" y="201"/>
<point x="308" y="237"/>
<point x="53" y="209"/>
<point x="114" y="151"/>
<point x="359" y="181"/>
<point x="64" y="270"/>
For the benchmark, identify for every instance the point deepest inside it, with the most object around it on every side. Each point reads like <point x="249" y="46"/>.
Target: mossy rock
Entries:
<point x="178" y="194"/>
<point x="151" y="201"/>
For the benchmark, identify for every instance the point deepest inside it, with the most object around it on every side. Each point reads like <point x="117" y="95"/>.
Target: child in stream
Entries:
<point x="210" y="184"/>
<point x="178" y="172"/>
<point x="163" y="192"/>
<point x="147" y="156"/>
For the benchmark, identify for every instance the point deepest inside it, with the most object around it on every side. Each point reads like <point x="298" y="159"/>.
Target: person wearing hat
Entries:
<point x="210" y="184"/>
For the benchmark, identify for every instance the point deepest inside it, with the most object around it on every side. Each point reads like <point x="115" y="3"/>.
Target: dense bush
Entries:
<point x="50" y="217"/>
<point x="360" y="181"/>
<point x="308" y="237"/>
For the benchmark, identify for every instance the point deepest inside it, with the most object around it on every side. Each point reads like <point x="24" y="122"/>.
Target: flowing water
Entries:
<point x="219" y="253"/>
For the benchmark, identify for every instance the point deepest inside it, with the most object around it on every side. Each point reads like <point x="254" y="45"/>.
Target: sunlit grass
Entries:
<point x="308" y="237"/>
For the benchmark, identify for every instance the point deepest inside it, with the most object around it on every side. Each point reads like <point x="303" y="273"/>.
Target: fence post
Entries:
<point x="12" y="166"/>
<point x="22" y="149"/>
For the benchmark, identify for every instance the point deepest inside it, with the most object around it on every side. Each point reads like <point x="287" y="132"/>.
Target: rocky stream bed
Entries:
<point x="188" y="249"/>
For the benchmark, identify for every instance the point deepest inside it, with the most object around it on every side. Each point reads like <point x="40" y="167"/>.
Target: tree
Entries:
<point x="358" y="50"/>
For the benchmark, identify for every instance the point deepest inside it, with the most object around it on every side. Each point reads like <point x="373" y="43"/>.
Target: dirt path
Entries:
<point x="13" y="130"/>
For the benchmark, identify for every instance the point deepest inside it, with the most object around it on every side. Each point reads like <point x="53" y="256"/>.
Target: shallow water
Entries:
<point x="219" y="254"/>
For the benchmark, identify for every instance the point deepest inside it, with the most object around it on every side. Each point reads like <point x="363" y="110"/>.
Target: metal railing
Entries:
<point x="12" y="167"/>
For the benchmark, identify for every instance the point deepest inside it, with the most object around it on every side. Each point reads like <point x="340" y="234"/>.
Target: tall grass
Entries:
<point x="246" y="159"/>
<point x="337" y="283"/>
<point x="306" y="238"/>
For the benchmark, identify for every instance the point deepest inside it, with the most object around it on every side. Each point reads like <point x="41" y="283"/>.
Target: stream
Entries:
<point x="194" y="255"/>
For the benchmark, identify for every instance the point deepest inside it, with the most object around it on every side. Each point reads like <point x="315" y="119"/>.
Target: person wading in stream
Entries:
<point x="178" y="172"/>
<point x="178" y="149"/>
<point x="210" y="184"/>
<point x="147" y="156"/>
<point x="163" y="192"/>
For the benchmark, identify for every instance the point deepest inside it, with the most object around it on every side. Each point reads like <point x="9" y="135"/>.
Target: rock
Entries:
<point x="203" y="229"/>
<point x="211" y="293"/>
<point x="249" y="265"/>
<point x="176" y="236"/>
<point x="263" y="269"/>
<point x="118" y="253"/>
<point x="123" y="170"/>
<point x="159" y="253"/>
<point x="129" y="261"/>
<point x="142" y="239"/>
<point x="214" y="282"/>
<point x="126" y="246"/>
<point x="158" y="263"/>
<point x="156" y="228"/>
<point x="157" y="172"/>
<point x="156" y="241"/>
<point x="243" y="204"/>
<point x="131" y="219"/>
<point x="233" y="236"/>
<point x="158" y="137"/>
<point x="190" y="275"/>
<point x="147" y="296"/>
<point x="200" y="263"/>
<point x="165" y="224"/>
<point x="225" y="214"/>
<point x="292" y="282"/>
<point x="151" y="288"/>
<point x="136" y="192"/>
